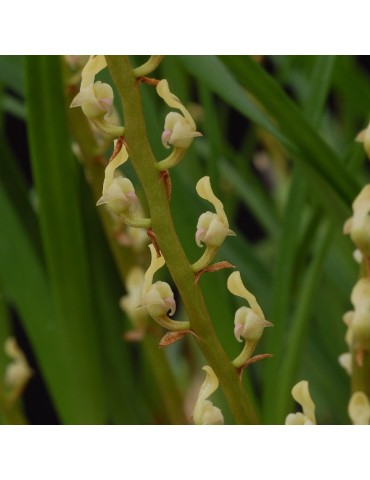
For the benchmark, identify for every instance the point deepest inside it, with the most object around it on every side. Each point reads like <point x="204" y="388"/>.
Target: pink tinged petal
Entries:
<point x="199" y="236"/>
<point x="107" y="104"/>
<point x="237" y="331"/>
<point x="166" y="135"/>
<point x="132" y="196"/>
<point x="170" y="301"/>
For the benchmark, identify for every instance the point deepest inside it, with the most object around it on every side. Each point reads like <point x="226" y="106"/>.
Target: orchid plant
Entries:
<point x="174" y="210"/>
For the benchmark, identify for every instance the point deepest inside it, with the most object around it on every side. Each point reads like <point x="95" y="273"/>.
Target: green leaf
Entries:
<point x="58" y="182"/>
<point x="311" y="151"/>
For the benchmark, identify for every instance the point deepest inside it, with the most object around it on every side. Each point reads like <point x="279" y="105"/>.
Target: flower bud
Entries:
<point x="17" y="372"/>
<point x="205" y="413"/>
<point x="364" y="137"/>
<point x="131" y="301"/>
<point x="359" y="409"/>
<point x="345" y="361"/>
<point x="358" y="226"/>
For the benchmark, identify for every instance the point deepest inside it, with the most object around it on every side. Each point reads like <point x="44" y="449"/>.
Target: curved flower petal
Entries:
<point x="110" y="169"/>
<point x="155" y="264"/>
<point x="301" y="394"/>
<point x="205" y="191"/>
<point x="95" y="64"/>
<point x="172" y="101"/>
<point x="204" y="411"/>
<point x="236" y="287"/>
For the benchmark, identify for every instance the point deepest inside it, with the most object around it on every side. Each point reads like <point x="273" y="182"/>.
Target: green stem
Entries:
<point x="207" y="257"/>
<point x="143" y="162"/>
<point x="172" y="325"/>
<point x="361" y="374"/>
<point x="149" y="66"/>
<point x="246" y="353"/>
<point x="173" y="159"/>
<point x="136" y="222"/>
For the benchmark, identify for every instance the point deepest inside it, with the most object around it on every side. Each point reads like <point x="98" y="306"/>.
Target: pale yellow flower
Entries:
<point x="212" y="228"/>
<point x="364" y="137"/>
<point x="96" y="98"/>
<point x="17" y="372"/>
<point x="249" y="322"/>
<point x="118" y="192"/>
<point x="205" y="413"/>
<point x="157" y="297"/>
<point x="301" y="394"/>
<point x="359" y="409"/>
<point x="179" y="129"/>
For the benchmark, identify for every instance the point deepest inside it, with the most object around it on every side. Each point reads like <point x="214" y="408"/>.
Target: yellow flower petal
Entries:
<point x="172" y="101"/>
<point x="236" y="287"/>
<point x="95" y="64"/>
<point x="155" y="264"/>
<point x="205" y="191"/>
<point x="359" y="409"/>
<point x="205" y="413"/>
<point x="301" y="394"/>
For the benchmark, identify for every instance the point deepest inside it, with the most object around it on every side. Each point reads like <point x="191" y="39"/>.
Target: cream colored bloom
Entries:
<point x="179" y="129"/>
<point x="345" y="361"/>
<point x="249" y="322"/>
<point x="358" y="226"/>
<point x="205" y="413"/>
<point x="358" y="321"/>
<point x="96" y="101"/>
<point x="359" y="409"/>
<point x="118" y="192"/>
<point x="301" y="395"/>
<point x="96" y="98"/>
<point x="132" y="300"/>
<point x="17" y="372"/>
<point x="157" y="298"/>
<point x="364" y="137"/>
<point x="212" y="228"/>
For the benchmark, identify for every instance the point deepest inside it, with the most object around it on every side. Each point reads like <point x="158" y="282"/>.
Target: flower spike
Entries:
<point x="205" y="413"/>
